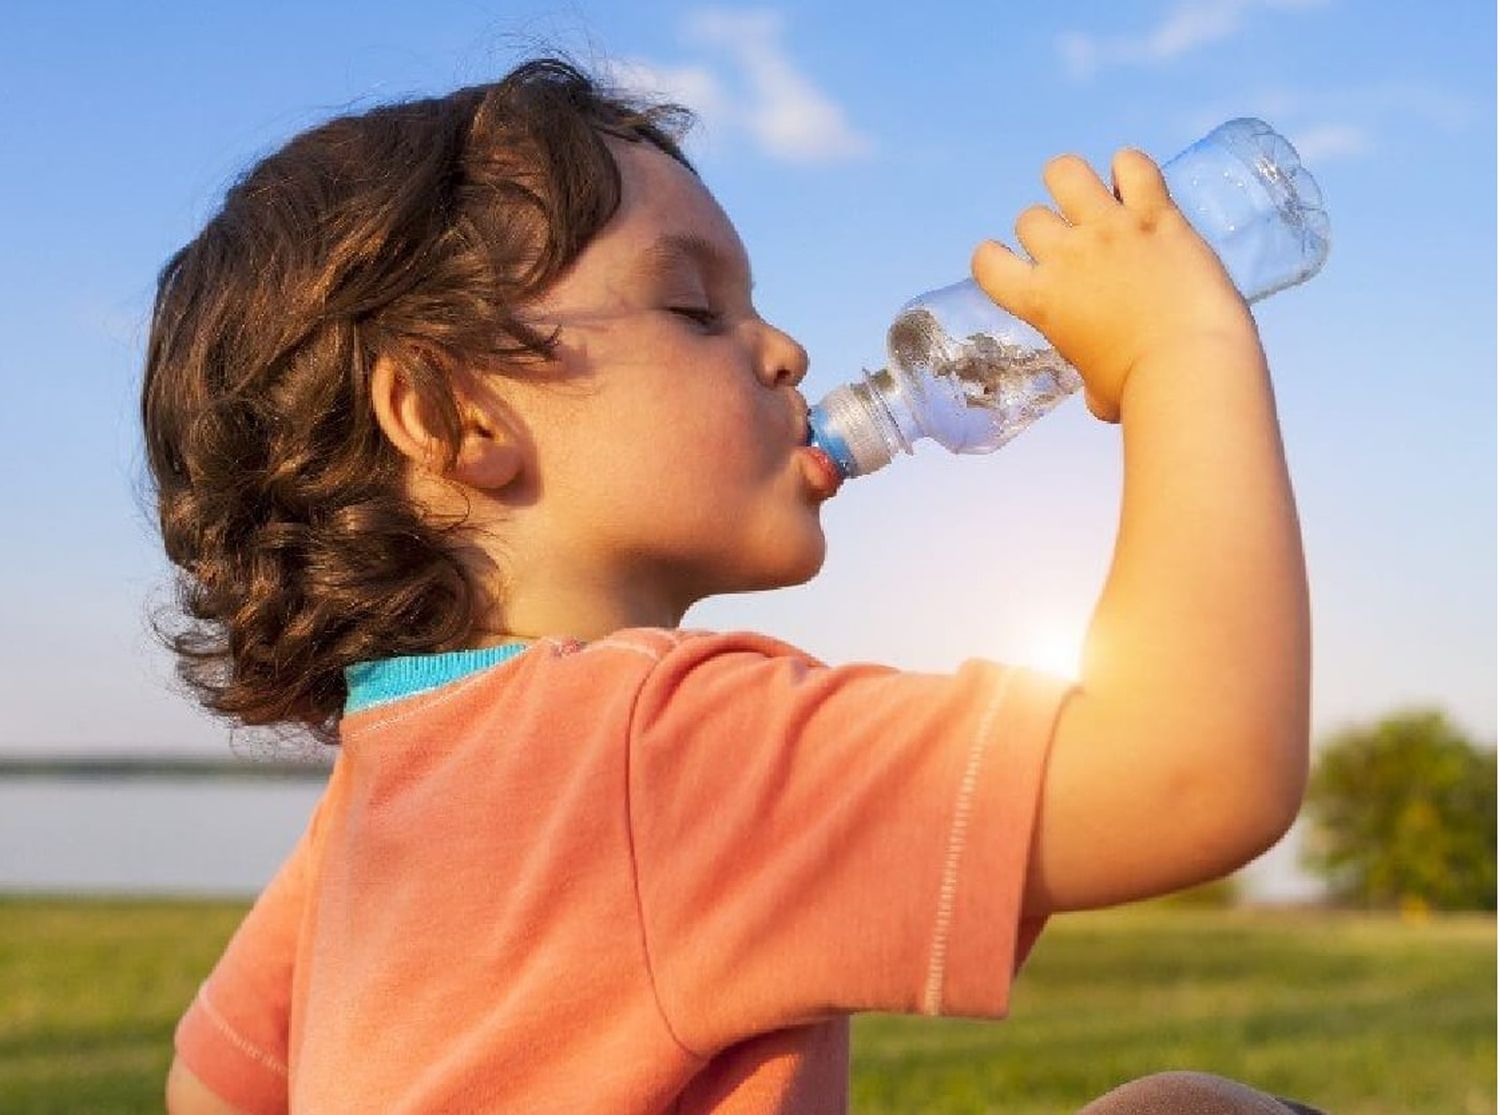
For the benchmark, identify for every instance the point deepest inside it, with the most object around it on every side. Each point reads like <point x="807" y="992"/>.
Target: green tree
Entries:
<point x="1403" y="815"/>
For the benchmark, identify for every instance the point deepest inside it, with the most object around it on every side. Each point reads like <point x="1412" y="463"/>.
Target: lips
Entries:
<point x="822" y="474"/>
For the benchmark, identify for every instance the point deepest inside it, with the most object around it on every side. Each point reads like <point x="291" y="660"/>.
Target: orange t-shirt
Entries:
<point x="654" y="873"/>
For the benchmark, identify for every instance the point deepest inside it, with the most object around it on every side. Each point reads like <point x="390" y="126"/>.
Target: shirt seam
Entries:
<point x="677" y="638"/>
<point x="418" y="705"/>
<point x="244" y="1045"/>
<point x="932" y="998"/>
<point x="431" y="698"/>
<point x="501" y="656"/>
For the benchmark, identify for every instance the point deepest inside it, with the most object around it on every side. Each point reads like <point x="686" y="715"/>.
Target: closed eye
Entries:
<point x="699" y="315"/>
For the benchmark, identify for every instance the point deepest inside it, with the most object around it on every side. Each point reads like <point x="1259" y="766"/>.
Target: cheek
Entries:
<point x="707" y="410"/>
<point x="675" y="415"/>
<point x="726" y="436"/>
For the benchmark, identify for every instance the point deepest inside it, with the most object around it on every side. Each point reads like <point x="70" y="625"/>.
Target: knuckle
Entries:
<point x="1034" y="307"/>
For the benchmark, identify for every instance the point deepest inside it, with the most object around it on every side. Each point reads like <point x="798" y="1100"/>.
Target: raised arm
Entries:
<point x="1184" y="753"/>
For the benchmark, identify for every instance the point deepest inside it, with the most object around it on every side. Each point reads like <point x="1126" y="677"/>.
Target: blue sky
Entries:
<point x="861" y="160"/>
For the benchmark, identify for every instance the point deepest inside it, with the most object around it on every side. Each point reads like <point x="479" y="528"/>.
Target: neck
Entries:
<point x="565" y="604"/>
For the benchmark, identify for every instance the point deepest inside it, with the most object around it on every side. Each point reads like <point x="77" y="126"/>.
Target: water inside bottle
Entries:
<point x="1017" y="384"/>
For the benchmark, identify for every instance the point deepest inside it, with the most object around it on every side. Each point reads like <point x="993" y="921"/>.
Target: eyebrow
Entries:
<point x="670" y="248"/>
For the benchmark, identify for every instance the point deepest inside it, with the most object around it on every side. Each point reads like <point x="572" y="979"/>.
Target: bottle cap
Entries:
<point x="843" y="427"/>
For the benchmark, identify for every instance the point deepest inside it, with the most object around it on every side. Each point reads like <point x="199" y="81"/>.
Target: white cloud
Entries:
<point x="1188" y="26"/>
<point x="786" y="112"/>
<point x="1080" y="54"/>
<point x="697" y="87"/>
<point x="780" y="107"/>
<point x="1451" y="112"/>
<point x="1323" y="142"/>
<point x="728" y="24"/>
<point x="1346" y="122"/>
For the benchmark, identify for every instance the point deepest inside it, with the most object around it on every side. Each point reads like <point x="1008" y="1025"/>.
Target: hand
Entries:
<point x="1122" y="277"/>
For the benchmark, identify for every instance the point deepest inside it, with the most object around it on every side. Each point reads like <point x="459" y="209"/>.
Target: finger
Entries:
<point x="1039" y="230"/>
<point x="1079" y="191"/>
<point x="1004" y="276"/>
<point x="1138" y="181"/>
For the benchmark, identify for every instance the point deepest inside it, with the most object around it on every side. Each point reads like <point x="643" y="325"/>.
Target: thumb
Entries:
<point x="1004" y="276"/>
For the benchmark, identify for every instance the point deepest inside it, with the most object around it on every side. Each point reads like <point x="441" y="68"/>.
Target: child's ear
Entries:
<point x="489" y="455"/>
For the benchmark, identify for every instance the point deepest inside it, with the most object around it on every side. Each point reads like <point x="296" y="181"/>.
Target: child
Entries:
<point x="454" y="410"/>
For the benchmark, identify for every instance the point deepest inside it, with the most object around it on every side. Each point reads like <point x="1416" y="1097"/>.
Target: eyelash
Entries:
<point x="705" y="318"/>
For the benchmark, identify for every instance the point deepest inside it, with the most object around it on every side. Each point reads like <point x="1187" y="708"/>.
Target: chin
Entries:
<point x="790" y="554"/>
<point x="803" y="564"/>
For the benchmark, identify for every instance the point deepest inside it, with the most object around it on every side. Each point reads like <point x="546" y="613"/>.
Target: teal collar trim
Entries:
<point x="391" y="679"/>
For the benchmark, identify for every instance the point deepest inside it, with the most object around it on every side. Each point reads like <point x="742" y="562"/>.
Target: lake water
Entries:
<point x="157" y="835"/>
<point x="227" y="837"/>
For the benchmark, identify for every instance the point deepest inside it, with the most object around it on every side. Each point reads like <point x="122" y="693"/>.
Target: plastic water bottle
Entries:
<point x="971" y="376"/>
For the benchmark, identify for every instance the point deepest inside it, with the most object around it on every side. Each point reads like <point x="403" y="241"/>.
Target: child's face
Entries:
<point x="666" y="442"/>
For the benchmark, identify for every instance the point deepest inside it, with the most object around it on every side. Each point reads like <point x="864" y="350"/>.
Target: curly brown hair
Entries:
<point x="411" y="232"/>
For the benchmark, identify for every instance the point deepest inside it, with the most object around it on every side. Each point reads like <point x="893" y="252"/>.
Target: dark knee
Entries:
<point x="1185" y="1092"/>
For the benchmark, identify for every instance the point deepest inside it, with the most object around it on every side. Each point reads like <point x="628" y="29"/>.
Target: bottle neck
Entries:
<point x="862" y="425"/>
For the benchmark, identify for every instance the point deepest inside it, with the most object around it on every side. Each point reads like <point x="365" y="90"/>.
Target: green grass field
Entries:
<point x="1357" y="1014"/>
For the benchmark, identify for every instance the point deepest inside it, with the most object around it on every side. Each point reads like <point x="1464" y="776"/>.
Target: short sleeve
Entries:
<point x="813" y="841"/>
<point x="235" y="1034"/>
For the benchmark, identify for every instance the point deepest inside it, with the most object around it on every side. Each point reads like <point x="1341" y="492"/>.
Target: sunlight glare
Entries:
<point x="1056" y="652"/>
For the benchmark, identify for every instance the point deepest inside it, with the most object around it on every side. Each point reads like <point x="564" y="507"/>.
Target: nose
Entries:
<point x="783" y="361"/>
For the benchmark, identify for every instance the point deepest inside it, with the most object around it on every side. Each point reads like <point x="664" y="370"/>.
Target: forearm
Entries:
<point x="1200" y="640"/>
